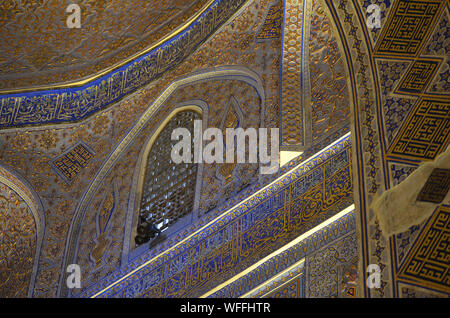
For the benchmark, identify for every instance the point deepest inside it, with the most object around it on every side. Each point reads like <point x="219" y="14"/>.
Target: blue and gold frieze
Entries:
<point x="76" y="103"/>
<point x="240" y="236"/>
<point x="282" y="261"/>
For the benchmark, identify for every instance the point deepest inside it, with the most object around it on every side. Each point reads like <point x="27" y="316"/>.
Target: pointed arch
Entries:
<point x="233" y="117"/>
<point x="224" y="73"/>
<point x="14" y="181"/>
<point x="136" y="194"/>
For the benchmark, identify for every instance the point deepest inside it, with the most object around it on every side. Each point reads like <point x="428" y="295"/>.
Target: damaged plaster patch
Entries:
<point x="397" y="209"/>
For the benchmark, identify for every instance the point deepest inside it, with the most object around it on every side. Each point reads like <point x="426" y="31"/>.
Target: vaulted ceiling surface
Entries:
<point x="38" y="48"/>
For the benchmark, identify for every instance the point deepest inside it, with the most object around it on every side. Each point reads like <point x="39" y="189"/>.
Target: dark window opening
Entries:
<point x="169" y="189"/>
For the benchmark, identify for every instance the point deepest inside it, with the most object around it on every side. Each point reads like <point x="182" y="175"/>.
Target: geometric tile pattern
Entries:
<point x="73" y="161"/>
<point x="397" y="109"/>
<point x="436" y="187"/>
<point x="425" y="132"/>
<point x="390" y="72"/>
<point x="418" y="76"/>
<point x="438" y="46"/>
<point x="399" y="172"/>
<point x="441" y="85"/>
<point x="384" y="11"/>
<point x="428" y="263"/>
<point x="408" y="25"/>
<point x="389" y="128"/>
<point x="405" y="240"/>
<point x="437" y="43"/>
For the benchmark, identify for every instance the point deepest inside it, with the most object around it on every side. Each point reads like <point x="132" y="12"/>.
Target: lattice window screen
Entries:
<point x="169" y="188"/>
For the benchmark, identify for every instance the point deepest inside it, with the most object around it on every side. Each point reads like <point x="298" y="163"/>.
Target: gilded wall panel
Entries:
<point x="283" y="274"/>
<point x="18" y="239"/>
<point x="213" y="191"/>
<point x="31" y="150"/>
<point x="330" y="108"/>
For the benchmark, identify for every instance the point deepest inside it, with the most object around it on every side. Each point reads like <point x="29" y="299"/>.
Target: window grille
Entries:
<point x="169" y="188"/>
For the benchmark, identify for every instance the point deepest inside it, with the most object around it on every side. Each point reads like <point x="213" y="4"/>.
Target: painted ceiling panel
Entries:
<point x="38" y="47"/>
<point x="76" y="101"/>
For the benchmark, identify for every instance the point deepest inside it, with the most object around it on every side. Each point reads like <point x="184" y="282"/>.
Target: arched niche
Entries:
<point x="236" y="73"/>
<point x="22" y="228"/>
<point x="155" y="162"/>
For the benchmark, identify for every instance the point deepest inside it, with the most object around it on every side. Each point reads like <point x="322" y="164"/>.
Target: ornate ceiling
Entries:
<point x="37" y="48"/>
<point x="61" y="161"/>
<point x="75" y="101"/>
<point x="396" y="97"/>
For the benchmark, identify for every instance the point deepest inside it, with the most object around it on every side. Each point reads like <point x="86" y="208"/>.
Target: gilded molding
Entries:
<point x="242" y="211"/>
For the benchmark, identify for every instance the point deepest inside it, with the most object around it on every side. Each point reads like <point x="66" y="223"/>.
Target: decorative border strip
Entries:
<point x="134" y="271"/>
<point x="291" y="89"/>
<point x="279" y="281"/>
<point x="243" y="284"/>
<point x="76" y="103"/>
